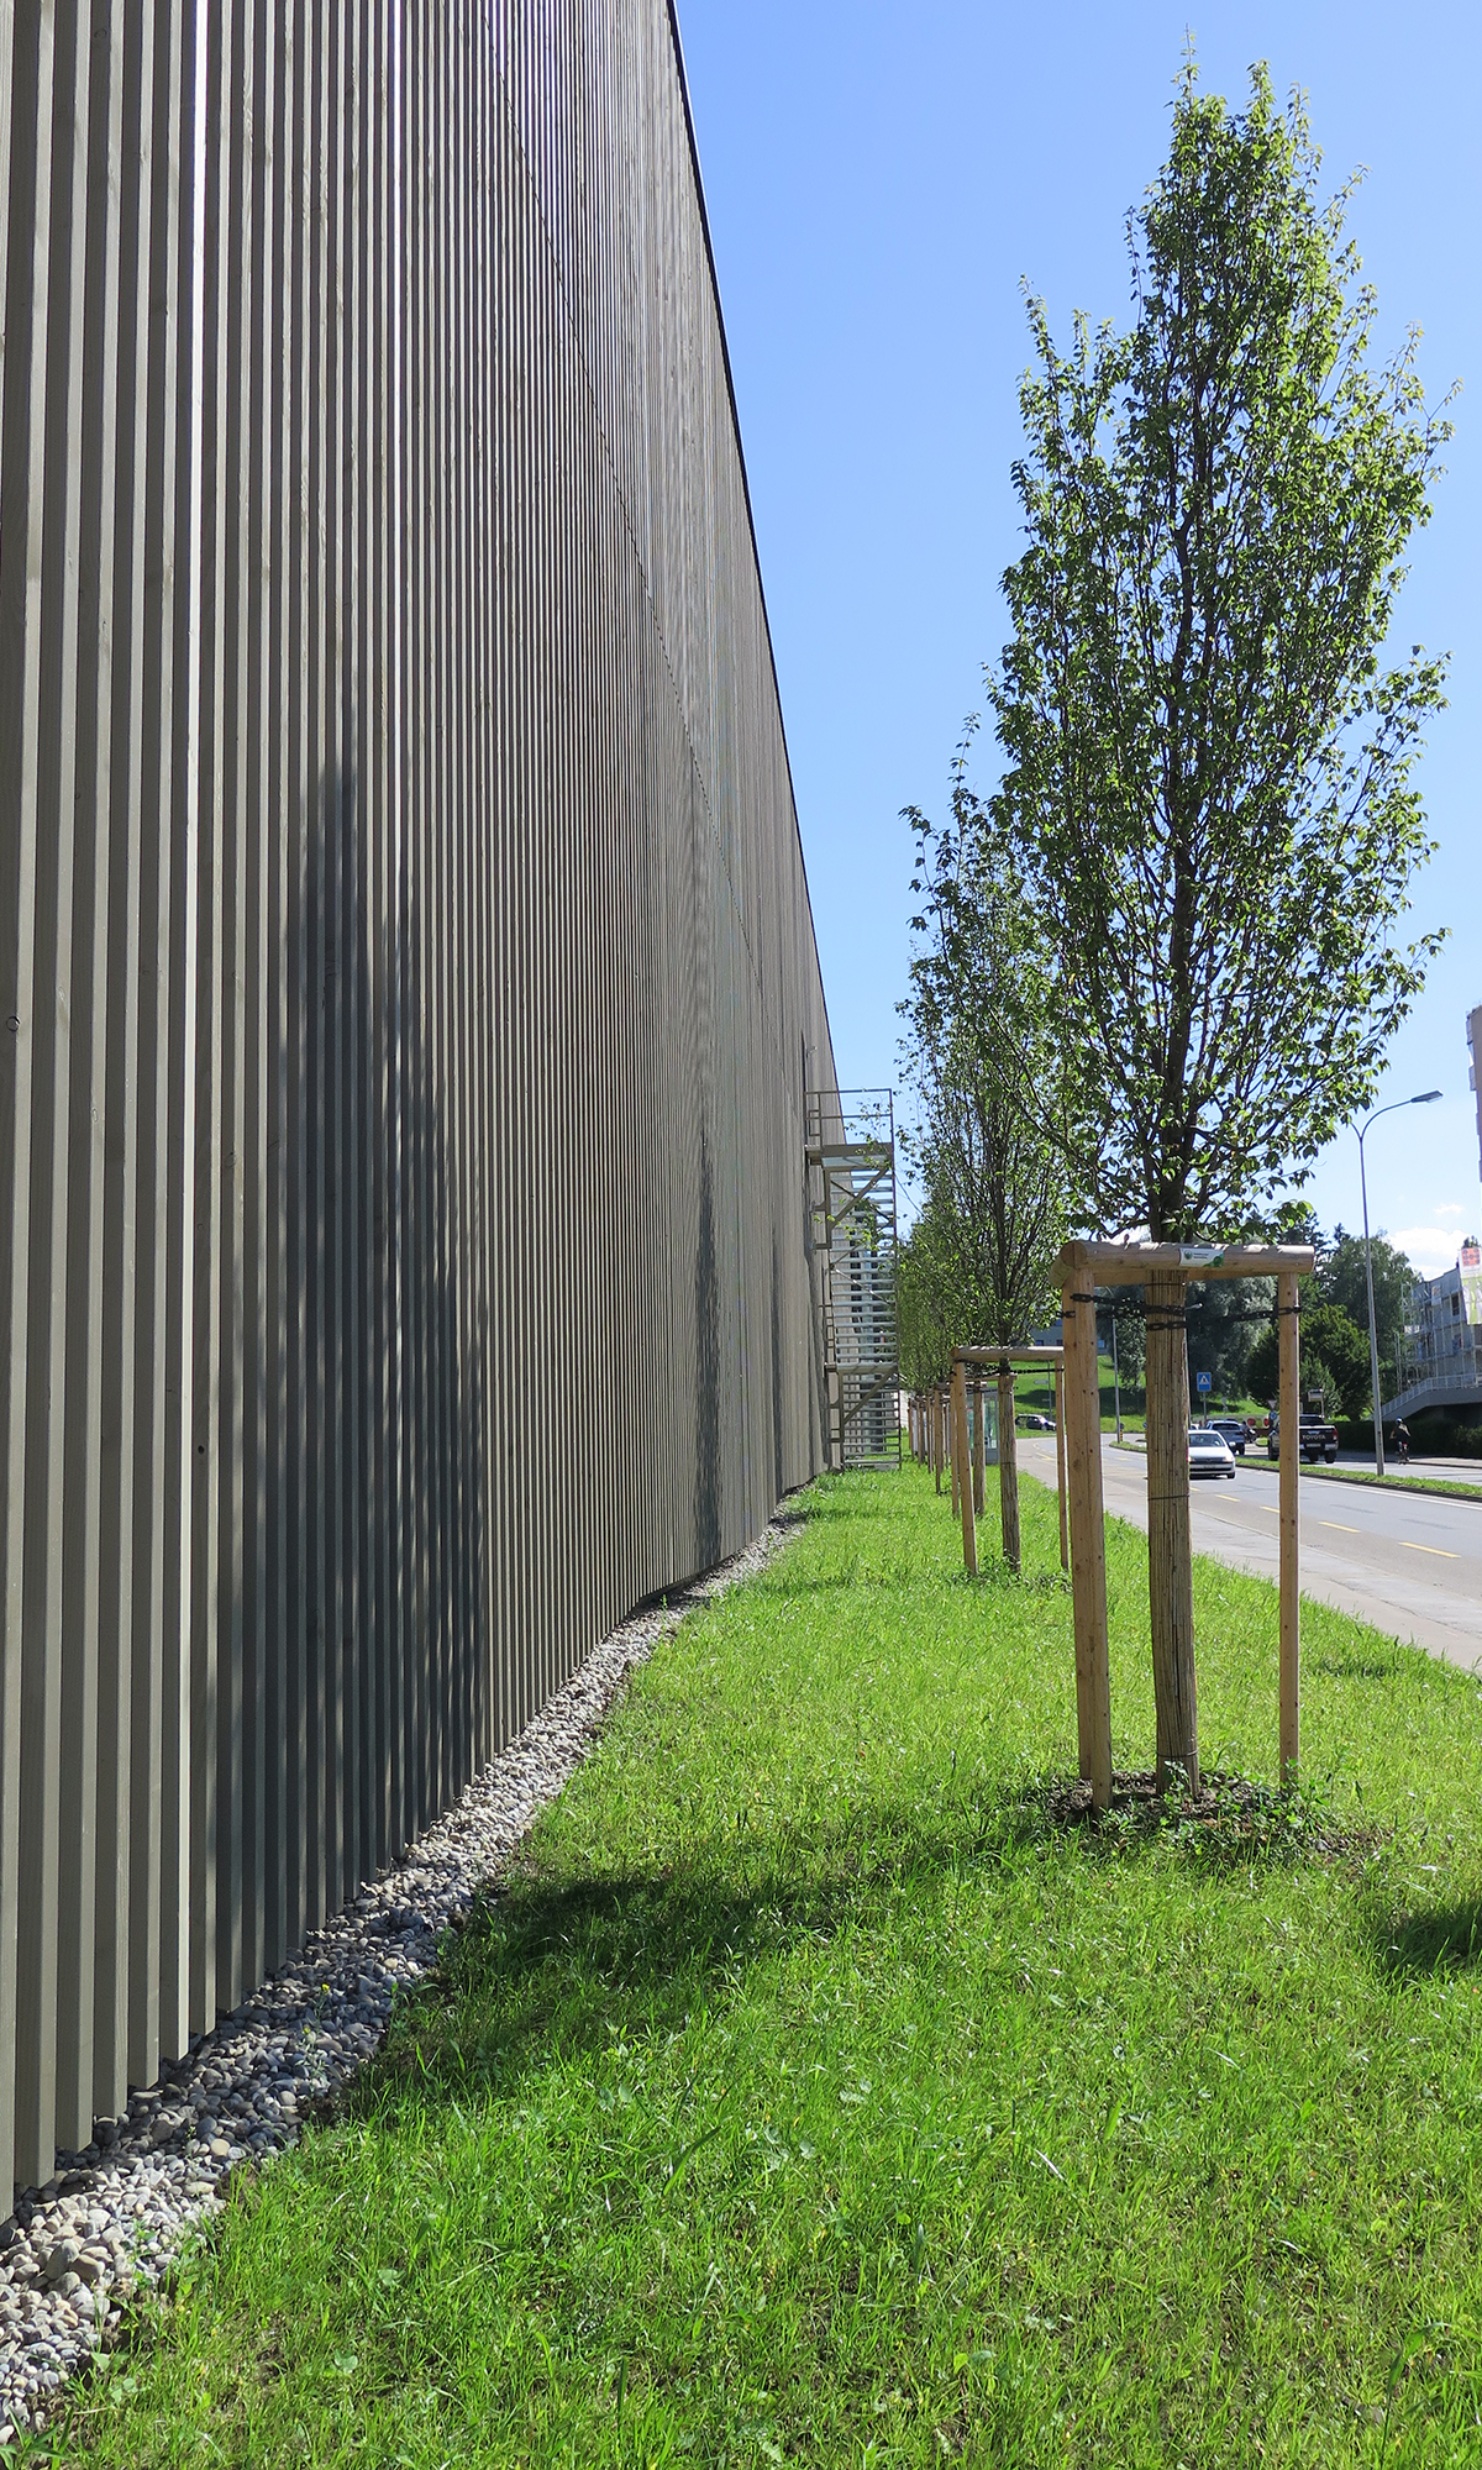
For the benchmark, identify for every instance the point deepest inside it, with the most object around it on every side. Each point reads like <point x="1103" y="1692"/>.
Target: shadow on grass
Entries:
<point x="856" y="1493"/>
<point x="546" y="1975"/>
<point x="993" y="1572"/>
<point x="1442" y="1938"/>
<point x="553" y="1970"/>
<point x="556" y="1967"/>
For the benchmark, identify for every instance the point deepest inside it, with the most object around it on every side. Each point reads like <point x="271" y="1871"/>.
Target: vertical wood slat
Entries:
<point x="405" y="957"/>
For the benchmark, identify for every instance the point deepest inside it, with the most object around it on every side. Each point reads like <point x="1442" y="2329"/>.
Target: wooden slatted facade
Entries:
<point x="407" y="982"/>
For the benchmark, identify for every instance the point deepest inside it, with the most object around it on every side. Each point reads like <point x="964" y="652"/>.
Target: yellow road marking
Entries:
<point x="1441" y="1555"/>
<point x="1338" y="1527"/>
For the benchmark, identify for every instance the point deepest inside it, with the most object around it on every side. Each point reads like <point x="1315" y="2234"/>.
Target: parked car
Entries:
<point x="1210" y="1453"/>
<point x="1233" y="1428"/>
<point x="1035" y="1423"/>
<point x="1316" y="1438"/>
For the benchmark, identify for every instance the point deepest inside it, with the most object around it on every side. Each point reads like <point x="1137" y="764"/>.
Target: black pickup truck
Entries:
<point x="1316" y="1437"/>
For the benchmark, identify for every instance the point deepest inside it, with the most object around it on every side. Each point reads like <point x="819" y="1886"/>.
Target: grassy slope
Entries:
<point x="805" y="2102"/>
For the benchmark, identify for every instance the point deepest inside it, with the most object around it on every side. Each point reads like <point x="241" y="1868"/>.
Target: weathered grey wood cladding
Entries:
<point x="407" y="982"/>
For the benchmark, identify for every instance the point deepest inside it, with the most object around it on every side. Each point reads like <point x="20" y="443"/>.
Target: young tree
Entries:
<point x="1209" y="778"/>
<point x="925" y="1314"/>
<point x="1209" y="786"/>
<point x="984" y="1055"/>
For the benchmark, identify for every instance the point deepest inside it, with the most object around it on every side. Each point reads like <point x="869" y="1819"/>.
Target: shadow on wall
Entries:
<point x="707" y="1374"/>
<point x="341" y="1626"/>
<point x="778" y="1460"/>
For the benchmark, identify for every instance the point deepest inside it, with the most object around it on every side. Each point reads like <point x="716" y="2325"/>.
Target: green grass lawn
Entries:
<point x="809" y="2099"/>
<point x="1399" y="1483"/>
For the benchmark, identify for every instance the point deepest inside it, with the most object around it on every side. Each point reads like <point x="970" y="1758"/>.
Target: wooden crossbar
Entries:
<point x="1133" y="1264"/>
<point x="1027" y="1356"/>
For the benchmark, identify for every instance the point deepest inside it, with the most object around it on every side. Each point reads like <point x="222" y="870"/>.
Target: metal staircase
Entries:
<point x="852" y="1198"/>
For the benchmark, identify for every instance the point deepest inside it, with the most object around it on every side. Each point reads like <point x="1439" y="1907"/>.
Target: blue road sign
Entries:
<point x="1204" y="1380"/>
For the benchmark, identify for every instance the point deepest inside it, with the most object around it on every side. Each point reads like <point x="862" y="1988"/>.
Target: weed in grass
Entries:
<point x="812" y="2094"/>
<point x="1230" y="1819"/>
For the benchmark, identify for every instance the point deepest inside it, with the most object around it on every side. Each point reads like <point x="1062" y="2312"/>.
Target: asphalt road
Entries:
<point x="1411" y="1565"/>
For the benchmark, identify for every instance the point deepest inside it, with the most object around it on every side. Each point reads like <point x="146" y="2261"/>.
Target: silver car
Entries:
<point x="1210" y="1453"/>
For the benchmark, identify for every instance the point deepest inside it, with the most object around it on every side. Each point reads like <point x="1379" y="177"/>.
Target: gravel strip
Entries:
<point x="116" y="2219"/>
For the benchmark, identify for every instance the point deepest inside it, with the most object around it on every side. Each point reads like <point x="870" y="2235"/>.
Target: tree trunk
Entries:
<point x="1170" y="1576"/>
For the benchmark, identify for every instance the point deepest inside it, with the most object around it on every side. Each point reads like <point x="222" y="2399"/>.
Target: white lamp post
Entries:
<point x="1425" y="1098"/>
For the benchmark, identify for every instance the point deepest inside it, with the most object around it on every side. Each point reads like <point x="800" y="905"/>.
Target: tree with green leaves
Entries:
<point x="1341" y="1280"/>
<point x="1209" y="768"/>
<point x="1224" y="1323"/>
<point x="985" y="1062"/>
<point x="1209" y="764"/>
<point x="925" y="1314"/>
<point x="1335" y="1360"/>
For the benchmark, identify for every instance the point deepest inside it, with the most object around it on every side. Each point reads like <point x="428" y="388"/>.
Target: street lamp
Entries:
<point x="1426" y="1098"/>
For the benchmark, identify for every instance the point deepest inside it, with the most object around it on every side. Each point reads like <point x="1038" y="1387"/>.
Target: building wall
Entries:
<point x="406" y="974"/>
<point x="1441" y="1352"/>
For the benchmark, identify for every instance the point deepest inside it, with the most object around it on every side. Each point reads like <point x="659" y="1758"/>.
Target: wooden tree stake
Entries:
<point x="962" y="1472"/>
<point x="1008" y="1468"/>
<point x="1057" y="1409"/>
<point x="1170" y="1571"/>
<point x="1082" y="1419"/>
<point x="954" y="1452"/>
<point x="1288" y="1472"/>
<point x="979" y="1447"/>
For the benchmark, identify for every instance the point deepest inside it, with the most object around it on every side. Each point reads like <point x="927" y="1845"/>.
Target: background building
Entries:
<point x="407" y="980"/>
<point x="1441" y="1352"/>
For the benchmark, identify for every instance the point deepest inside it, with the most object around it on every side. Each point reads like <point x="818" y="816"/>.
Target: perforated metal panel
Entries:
<point x="395" y="822"/>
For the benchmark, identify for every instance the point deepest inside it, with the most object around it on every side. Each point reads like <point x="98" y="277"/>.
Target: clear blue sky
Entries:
<point x="879" y="177"/>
